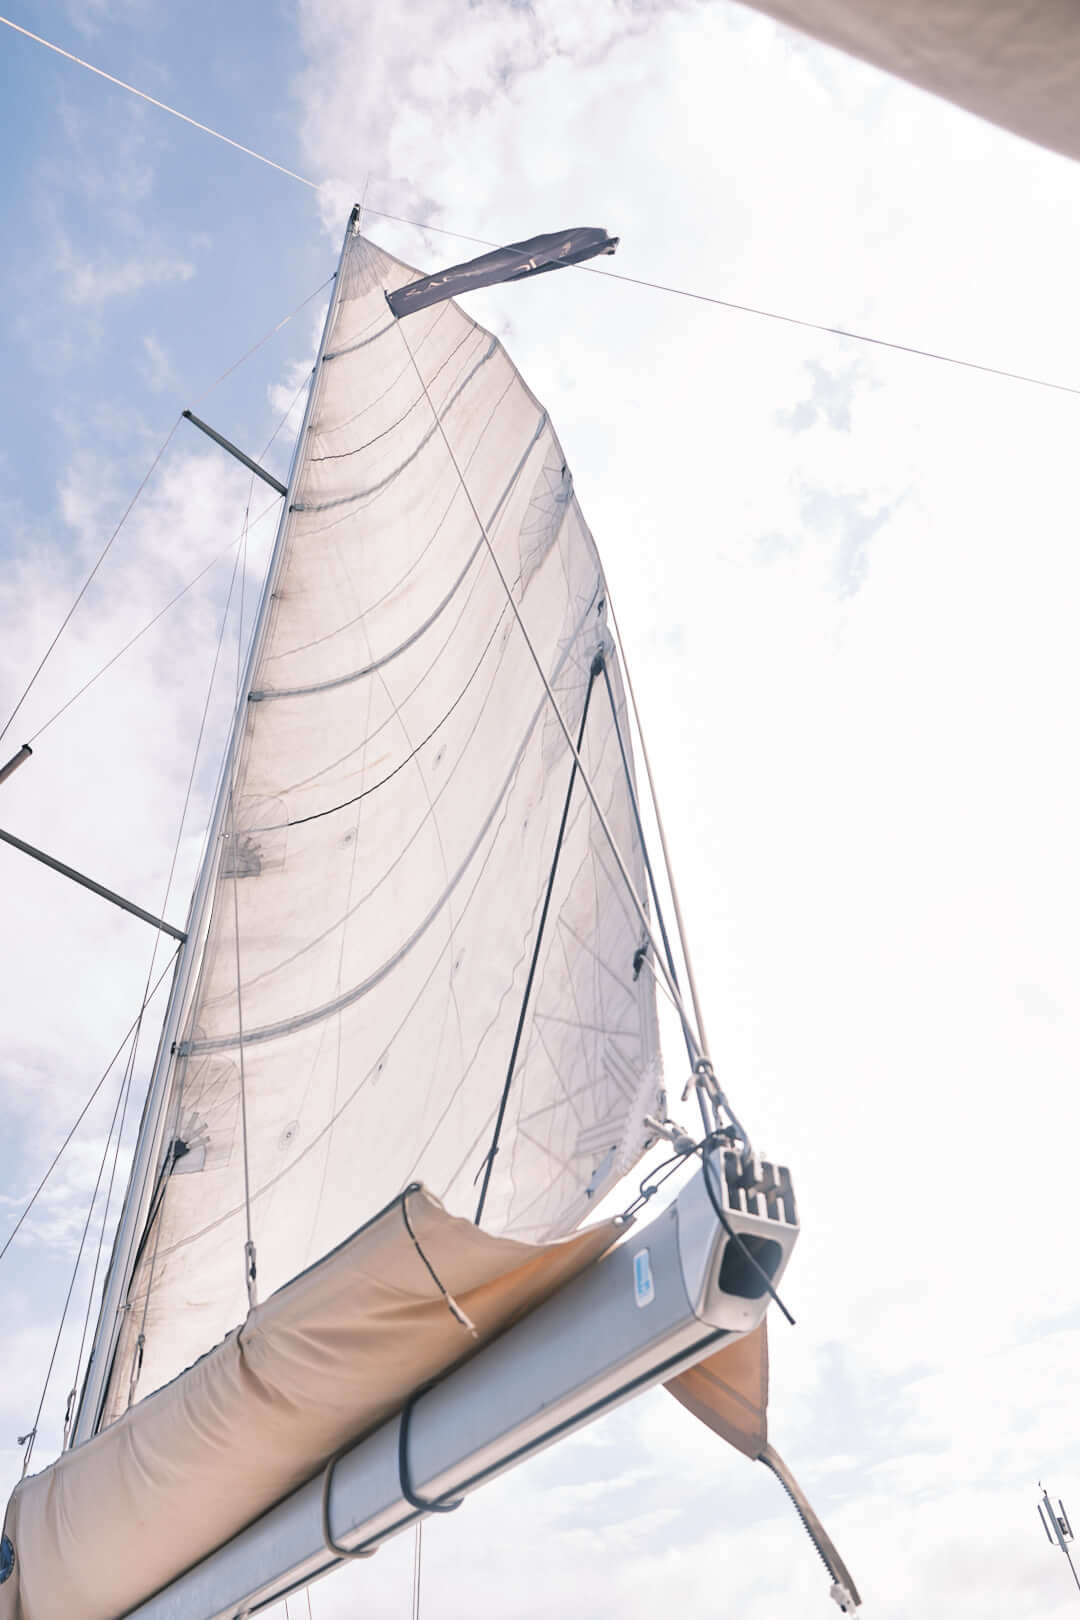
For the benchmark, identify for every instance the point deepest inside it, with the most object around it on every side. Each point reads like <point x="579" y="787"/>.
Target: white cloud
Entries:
<point x="94" y="285"/>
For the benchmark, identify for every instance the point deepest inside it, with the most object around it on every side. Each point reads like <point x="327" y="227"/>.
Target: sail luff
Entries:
<point x="148" y="1149"/>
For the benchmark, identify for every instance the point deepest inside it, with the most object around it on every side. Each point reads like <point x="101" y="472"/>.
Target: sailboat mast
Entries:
<point x="149" y="1146"/>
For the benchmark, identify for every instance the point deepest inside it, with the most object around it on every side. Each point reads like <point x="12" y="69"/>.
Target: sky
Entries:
<point x="846" y="580"/>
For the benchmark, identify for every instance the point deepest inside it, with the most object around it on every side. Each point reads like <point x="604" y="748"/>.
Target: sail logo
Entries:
<point x="643" y="1282"/>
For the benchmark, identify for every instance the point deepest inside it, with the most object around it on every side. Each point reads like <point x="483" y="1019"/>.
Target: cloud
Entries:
<point x="94" y="285"/>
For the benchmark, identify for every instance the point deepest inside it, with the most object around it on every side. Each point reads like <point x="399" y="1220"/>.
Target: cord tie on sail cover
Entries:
<point x="452" y="1305"/>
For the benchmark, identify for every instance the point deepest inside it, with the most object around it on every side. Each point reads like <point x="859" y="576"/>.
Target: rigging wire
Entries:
<point x="273" y="331"/>
<point x="241" y="542"/>
<point x="249" y="1245"/>
<point x="127" y="513"/>
<point x="136" y="1362"/>
<point x="635" y="900"/>
<point x="129" y="1072"/>
<point x="149" y="625"/>
<point x="488" y="1164"/>
<point x="90" y="577"/>
<point x="215" y="559"/>
<point x="417" y="1549"/>
<point x="154" y="102"/>
<point x="85" y="1109"/>
<point x="632" y="793"/>
<point x="31" y="1436"/>
<point x="665" y="852"/>
<point x="611" y="275"/>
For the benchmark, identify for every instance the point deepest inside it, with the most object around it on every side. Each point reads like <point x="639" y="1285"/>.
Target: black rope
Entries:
<point x="644" y="852"/>
<point x="176" y="1150"/>
<point x="328" y="1538"/>
<point x="422" y="1504"/>
<point x="489" y="1160"/>
<point x="703" y="1149"/>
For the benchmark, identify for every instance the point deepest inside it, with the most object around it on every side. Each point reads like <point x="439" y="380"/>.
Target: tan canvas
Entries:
<point x="729" y="1392"/>
<point x="320" y="1363"/>
<point x="1016" y="65"/>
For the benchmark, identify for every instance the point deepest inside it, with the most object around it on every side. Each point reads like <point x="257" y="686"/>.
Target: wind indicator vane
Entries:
<point x="1057" y="1527"/>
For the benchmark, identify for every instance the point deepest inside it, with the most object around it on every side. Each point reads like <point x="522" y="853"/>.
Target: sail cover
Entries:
<point x="315" y="1367"/>
<point x="396" y="803"/>
<point x="1015" y="65"/>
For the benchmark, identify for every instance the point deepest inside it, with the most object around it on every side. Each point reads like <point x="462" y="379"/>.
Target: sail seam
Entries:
<point x="288" y="1026"/>
<point x="358" y="449"/>
<point x="347" y="500"/>
<point x="265" y="695"/>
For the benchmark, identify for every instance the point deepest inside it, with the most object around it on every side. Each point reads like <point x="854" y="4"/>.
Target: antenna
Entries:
<point x="1057" y="1527"/>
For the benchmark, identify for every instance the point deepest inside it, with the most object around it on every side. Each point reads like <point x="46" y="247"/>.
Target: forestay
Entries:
<point x="395" y="809"/>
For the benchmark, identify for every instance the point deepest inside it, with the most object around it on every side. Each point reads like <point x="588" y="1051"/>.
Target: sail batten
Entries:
<point x="395" y="800"/>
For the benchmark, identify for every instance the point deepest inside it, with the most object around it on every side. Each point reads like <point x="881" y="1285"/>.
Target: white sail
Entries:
<point x="396" y="804"/>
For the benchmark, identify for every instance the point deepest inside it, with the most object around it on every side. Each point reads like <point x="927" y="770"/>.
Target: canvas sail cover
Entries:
<point x="729" y="1392"/>
<point x="315" y="1367"/>
<point x="396" y="803"/>
<point x="1016" y="65"/>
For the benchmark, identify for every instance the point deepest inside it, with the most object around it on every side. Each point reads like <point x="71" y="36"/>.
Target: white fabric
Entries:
<point x="1017" y="65"/>
<point x="384" y="945"/>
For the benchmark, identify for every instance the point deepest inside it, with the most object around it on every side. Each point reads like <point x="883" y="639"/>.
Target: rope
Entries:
<point x="249" y="1245"/>
<point x="127" y="512"/>
<point x="126" y="1091"/>
<point x="632" y="792"/>
<point x="90" y="576"/>
<point x="31" y="1436"/>
<point x="84" y="1110"/>
<point x="422" y="1504"/>
<point x="703" y="1149"/>
<point x="183" y="817"/>
<point x="417" y="1550"/>
<point x="489" y="1158"/>
<point x="611" y="275"/>
<point x="149" y="625"/>
<point x="691" y="1037"/>
<point x="274" y="330"/>
<point x="665" y="852"/>
<point x="242" y="537"/>
<point x="452" y="1305"/>
<point x="172" y="111"/>
<point x="329" y="1543"/>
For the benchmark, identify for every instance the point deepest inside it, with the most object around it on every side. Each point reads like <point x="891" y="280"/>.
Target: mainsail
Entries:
<point x="391" y="829"/>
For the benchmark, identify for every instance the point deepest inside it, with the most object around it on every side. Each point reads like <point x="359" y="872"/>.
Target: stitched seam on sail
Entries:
<point x="419" y="828"/>
<point x="422" y="679"/>
<point x="320" y="1136"/>
<point x="404" y="851"/>
<point x="287" y="1026"/>
<point x="358" y="449"/>
<point x="264" y="696"/>
<point x="417" y="562"/>
<point x="348" y="500"/>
